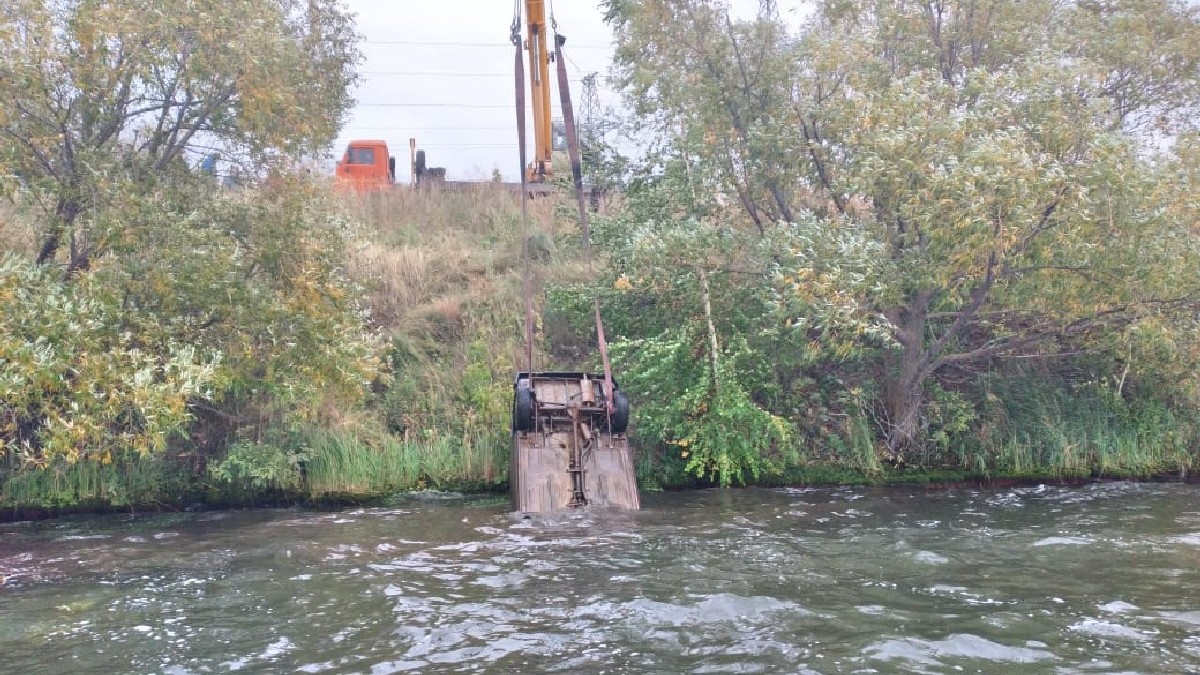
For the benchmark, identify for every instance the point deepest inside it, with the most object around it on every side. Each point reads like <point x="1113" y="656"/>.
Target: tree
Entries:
<point x="227" y="315"/>
<point x="1008" y="161"/>
<point x="183" y="307"/>
<point x="99" y="100"/>
<point x="714" y="90"/>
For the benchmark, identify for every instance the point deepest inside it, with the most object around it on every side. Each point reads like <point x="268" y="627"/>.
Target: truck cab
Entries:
<point x="366" y="166"/>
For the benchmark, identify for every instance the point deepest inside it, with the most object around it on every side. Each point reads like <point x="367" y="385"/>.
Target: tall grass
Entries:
<point x="445" y="268"/>
<point x="347" y="464"/>
<point x="136" y="481"/>
<point x="444" y="272"/>
<point x="1086" y="431"/>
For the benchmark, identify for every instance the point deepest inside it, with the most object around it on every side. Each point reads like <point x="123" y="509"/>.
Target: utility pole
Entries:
<point x="589" y="129"/>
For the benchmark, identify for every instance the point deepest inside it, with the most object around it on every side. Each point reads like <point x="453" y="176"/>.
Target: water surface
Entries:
<point x="1098" y="579"/>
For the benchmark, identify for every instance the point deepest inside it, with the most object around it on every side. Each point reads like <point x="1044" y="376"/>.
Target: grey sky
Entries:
<point x="442" y="72"/>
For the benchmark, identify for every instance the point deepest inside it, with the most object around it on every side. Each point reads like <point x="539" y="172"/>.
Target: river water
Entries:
<point x="1103" y="578"/>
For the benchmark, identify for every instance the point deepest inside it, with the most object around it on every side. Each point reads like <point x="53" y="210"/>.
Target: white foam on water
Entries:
<point x="958" y="645"/>
<point x="1063" y="541"/>
<point x="1192" y="539"/>
<point x="1107" y="629"/>
<point x="930" y="558"/>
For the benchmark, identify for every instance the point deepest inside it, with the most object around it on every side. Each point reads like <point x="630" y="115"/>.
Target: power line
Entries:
<point x="471" y="106"/>
<point x="436" y="73"/>
<point x="422" y="43"/>
<point x="442" y="146"/>
<point x="435" y="105"/>
<point x="420" y="128"/>
<point x="458" y="146"/>
<point x="422" y="73"/>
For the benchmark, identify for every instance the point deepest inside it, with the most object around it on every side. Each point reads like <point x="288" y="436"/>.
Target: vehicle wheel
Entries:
<point x="620" y="415"/>
<point x="522" y="408"/>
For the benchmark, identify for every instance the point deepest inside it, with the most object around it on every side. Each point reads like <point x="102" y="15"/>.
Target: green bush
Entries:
<point x="76" y="383"/>
<point x="712" y="423"/>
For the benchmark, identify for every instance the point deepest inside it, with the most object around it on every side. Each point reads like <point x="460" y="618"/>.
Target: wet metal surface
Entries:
<point x="1098" y="579"/>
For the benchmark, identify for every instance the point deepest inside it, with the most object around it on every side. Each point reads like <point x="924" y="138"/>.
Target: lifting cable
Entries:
<point x="573" y="152"/>
<point x="526" y="275"/>
<point x="564" y="92"/>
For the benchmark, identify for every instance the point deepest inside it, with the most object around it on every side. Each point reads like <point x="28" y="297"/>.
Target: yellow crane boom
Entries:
<point x="538" y="44"/>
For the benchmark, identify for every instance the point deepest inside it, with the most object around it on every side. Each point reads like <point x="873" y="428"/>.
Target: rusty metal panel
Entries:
<point x="539" y="475"/>
<point x="608" y="476"/>
<point x="541" y="480"/>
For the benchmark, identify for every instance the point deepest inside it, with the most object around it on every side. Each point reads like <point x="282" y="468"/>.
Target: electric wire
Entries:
<point x="416" y="127"/>
<point x="446" y="73"/>
<point x="420" y="43"/>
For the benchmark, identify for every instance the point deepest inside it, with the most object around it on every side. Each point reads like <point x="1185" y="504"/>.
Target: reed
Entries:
<point x="141" y="481"/>
<point x="1091" y="431"/>
<point x="364" y="465"/>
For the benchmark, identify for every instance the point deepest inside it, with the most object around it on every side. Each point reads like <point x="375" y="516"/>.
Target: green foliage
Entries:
<point x="820" y="284"/>
<point x="956" y="182"/>
<point x="76" y="383"/>
<point x="366" y="464"/>
<point x="122" y="483"/>
<point x="231" y="305"/>
<point x="855" y="446"/>
<point x="259" y="467"/>
<point x="261" y="279"/>
<point x="708" y="419"/>
<point x="486" y="396"/>
<point x="949" y="416"/>
<point x="101" y="100"/>
<point x="257" y="280"/>
<point x="1091" y="430"/>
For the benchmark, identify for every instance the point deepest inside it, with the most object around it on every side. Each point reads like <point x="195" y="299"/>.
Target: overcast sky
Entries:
<point x="442" y="72"/>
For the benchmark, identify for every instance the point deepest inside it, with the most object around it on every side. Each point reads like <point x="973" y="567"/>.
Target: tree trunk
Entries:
<point x="906" y="373"/>
<point x="65" y="213"/>
<point x="713" y="346"/>
<point x="905" y="397"/>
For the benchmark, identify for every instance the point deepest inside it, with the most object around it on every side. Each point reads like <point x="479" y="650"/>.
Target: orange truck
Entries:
<point x="367" y="166"/>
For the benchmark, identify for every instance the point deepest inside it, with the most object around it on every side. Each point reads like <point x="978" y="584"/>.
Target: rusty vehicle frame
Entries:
<point x="570" y="448"/>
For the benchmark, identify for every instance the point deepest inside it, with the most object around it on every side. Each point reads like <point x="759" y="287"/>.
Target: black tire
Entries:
<point x="620" y="415"/>
<point x="522" y="408"/>
<point x="420" y="162"/>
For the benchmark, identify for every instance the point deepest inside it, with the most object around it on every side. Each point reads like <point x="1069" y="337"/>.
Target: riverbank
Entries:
<point x="439" y="278"/>
<point x="383" y="489"/>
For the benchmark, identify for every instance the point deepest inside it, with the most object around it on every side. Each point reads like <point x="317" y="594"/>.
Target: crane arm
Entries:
<point x="538" y="44"/>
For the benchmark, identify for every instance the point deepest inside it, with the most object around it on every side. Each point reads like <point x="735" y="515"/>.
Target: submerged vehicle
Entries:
<point x="569" y="445"/>
<point x="570" y="448"/>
